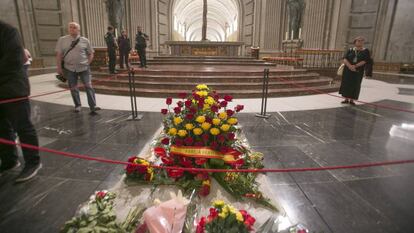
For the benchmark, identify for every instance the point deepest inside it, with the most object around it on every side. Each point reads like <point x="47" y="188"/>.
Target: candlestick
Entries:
<point x="291" y="35"/>
<point x="300" y="33"/>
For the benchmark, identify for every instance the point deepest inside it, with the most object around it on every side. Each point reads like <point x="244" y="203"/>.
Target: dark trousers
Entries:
<point x="15" y="119"/>
<point x="123" y="57"/>
<point x="112" y="60"/>
<point x="142" y="56"/>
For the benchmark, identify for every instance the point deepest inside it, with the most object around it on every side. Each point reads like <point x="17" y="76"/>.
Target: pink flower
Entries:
<point x="182" y="95"/>
<point x="168" y="101"/>
<point x="228" y="98"/>
<point x="164" y="111"/>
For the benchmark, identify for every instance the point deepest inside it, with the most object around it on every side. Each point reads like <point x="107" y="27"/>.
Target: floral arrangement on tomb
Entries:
<point x="200" y="131"/>
<point x="225" y="218"/>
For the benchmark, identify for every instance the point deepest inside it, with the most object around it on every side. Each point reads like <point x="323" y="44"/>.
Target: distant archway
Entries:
<point x="223" y="20"/>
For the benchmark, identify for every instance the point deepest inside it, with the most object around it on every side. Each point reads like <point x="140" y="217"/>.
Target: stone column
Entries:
<point x="317" y="23"/>
<point x="273" y="25"/>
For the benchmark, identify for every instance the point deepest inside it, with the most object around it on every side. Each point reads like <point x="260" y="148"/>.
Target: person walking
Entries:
<point x="355" y="60"/>
<point x="140" y="45"/>
<point x="124" y="44"/>
<point x="76" y="53"/>
<point x="15" y="116"/>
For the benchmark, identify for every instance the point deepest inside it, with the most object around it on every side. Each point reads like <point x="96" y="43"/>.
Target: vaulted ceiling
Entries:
<point x="222" y="18"/>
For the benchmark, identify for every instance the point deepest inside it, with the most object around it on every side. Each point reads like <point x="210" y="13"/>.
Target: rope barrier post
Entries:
<point x="265" y="92"/>
<point x="135" y="116"/>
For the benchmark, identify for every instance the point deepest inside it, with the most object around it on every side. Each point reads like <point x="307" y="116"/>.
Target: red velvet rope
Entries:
<point x="279" y="170"/>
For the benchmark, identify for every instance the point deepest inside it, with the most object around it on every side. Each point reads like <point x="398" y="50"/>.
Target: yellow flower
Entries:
<point x="223" y="115"/>
<point x="189" y="126"/>
<point x="216" y="121"/>
<point x="209" y="100"/>
<point x="136" y="161"/>
<point x="177" y="120"/>
<point x="172" y="131"/>
<point x="239" y="217"/>
<point x="206" y="106"/>
<point x="223" y="214"/>
<point x="202" y="93"/>
<point x="232" y="210"/>
<point x="206" y="182"/>
<point x="206" y="126"/>
<point x="202" y="87"/>
<point x="214" y="131"/>
<point x="197" y="131"/>
<point x="182" y="133"/>
<point x="218" y="203"/>
<point x="225" y="127"/>
<point x="201" y="119"/>
<point x="232" y="121"/>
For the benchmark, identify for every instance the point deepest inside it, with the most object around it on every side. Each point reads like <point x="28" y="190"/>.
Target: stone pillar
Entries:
<point x="317" y="24"/>
<point x="272" y="25"/>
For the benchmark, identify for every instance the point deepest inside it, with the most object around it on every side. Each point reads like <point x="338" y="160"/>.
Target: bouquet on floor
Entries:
<point x="201" y="131"/>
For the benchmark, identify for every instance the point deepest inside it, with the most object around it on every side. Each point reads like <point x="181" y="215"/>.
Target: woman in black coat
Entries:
<point x="354" y="60"/>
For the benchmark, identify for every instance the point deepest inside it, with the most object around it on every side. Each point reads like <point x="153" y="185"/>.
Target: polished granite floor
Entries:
<point x="360" y="200"/>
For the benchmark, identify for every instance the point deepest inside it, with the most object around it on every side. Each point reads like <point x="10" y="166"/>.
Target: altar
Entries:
<point x="205" y="48"/>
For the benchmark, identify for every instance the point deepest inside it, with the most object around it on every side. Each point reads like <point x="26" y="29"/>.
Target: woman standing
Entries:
<point x="354" y="60"/>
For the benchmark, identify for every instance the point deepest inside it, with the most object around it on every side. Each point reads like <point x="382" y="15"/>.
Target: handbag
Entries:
<point x="340" y="70"/>
<point x="61" y="77"/>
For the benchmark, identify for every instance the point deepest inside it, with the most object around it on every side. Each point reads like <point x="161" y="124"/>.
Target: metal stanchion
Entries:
<point x="265" y="91"/>
<point x="135" y="116"/>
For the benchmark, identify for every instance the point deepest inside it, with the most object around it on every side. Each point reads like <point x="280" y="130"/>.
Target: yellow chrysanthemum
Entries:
<point x="239" y="217"/>
<point x="201" y="119"/>
<point x="223" y="214"/>
<point x="209" y="100"/>
<point x="172" y="131"/>
<point x="182" y="133"/>
<point x="177" y="120"/>
<point x="232" y="121"/>
<point x="206" y="182"/>
<point x="218" y="203"/>
<point x="225" y="127"/>
<point x="206" y="107"/>
<point x="189" y="126"/>
<point x="197" y="131"/>
<point x="202" y="93"/>
<point x="223" y="115"/>
<point x="206" y="126"/>
<point x="202" y="87"/>
<point x="216" y="121"/>
<point x="214" y="131"/>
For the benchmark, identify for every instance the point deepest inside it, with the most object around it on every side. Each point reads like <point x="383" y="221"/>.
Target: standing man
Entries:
<point x="124" y="49"/>
<point x="15" y="116"/>
<point x="140" y="45"/>
<point x="111" y="47"/>
<point x="77" y="54"/>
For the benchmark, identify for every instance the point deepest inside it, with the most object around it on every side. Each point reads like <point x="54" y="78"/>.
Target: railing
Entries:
<point x="308" y="58"/>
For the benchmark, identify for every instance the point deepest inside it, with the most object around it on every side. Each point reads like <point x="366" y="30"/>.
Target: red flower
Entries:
<point x="165" y="141"/>
<point x="214" y="145"/>
<point x="167" y="160"/>
<point x="200" y="161"/>
<point x="177" y="110"/>
<point x="204" y="190"/>
<point x="159" y="151"/>
<point x="244" y="213"/>
<point x="214" y="108"/>
<point x="238" y="108"/>
<point x="100" y="195"/>
<point x="301" y="231"/>
<point x="221" y="138"/>
<point x="164" y="111"/>
<point x="223" y="104"/>
<point x="202" y="176"/>
<point x="193" y="110"/>
<point x="189" y="141"/>
<point x="182" y="95"/>
<point x="180" y="103"/>
<point x="229" y="112"/>
<point x="224" y="149"/>
<point x="228" y="98"/>
<point x="187" y="163"/>
<point x="178" y="142"/>
<point x="173" y="173"/>
<point x="231" y="136"/>
<point x="249" y="221"/>
<point x="189" y="116"/>
<point x="188" y="103"/>
<point x="238" y="163"/>
<point x="201" y="103"/>
<point x="130" y="169"/>
<point x="205" y="137"/>
<point x="142" y="169"/>
<point x="168" y="101"/>
<point x="213" y="212"/>
<point x="131" y="159"/>
<point x="209" y="120"/>
<point x="196" y="96"/>
<point x="199" y="143"/>
<point x="200" y="226"/>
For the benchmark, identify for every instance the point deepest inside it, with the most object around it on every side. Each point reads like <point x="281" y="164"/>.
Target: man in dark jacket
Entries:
<point x="140" y="45"/>
<point x="111" y="46"/>
<point x="15" y="115"/>
<point x="124" y="48"/>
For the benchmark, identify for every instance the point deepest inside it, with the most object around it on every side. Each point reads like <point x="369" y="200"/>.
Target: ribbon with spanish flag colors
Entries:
<point x="205" y="152"/>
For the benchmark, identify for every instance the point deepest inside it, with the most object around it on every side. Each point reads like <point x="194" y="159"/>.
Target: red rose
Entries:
<point x="180" y="104"/>
<point x="200" y="226"/>
<point x="177" y="110"/>
<point x="100" y="195"/>
<point x="202" y="176"/>
<point x="167" y="160"/>
<point x="165" y="141"/>
<point x="214" y="145"/>
<point x="173" y="173"/>
<point x="204" y="190"/>
<point x="164" y="111"/>
<point x="244" y="213"/>
<point x="189" y="141"/>
<point x="186" y="163"/>
<point x="131" y="159"/>
<point x="199" y="143"/>
<point x="228" y="98"/>
<point x="205" y="137"/>
<point x="182" y="95"/>
<point x="224" y="149"/>
<point x="178" y="142"/>
<point x="238" y="163"/>
<point x="189" y="116"/>
<point x="200" y="161"/>
<point x="142" y="169"/>
<point x="130" y="169"/>
<point x="214" y="108"/>
<point x="223" y="104"/>
<point x="231" y="136"/>
<point x="168" y="101"/>
<point x="229" y="112"/>
<point x="159" y="151"/>
<point x="201" y="103"/>
<point x="193" y="110"/>
<point x="188" y="103"/>
<point x="196" y="96"/>
<point x="221" y="138"/>
<point x="213" y="212"/>
<point x="302" y="231"/>
<point x="209" y="120"/>
<point x="238" y="108"/>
